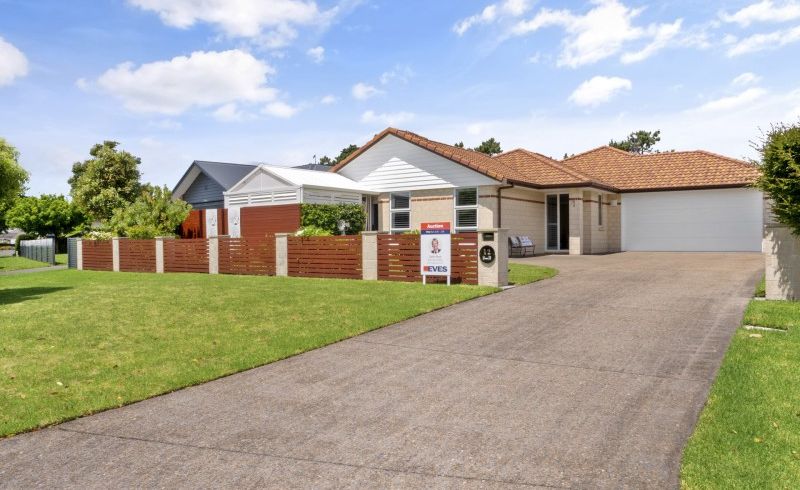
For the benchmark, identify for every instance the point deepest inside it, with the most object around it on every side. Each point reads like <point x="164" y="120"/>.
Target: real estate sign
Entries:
<point x="434" y="242"/>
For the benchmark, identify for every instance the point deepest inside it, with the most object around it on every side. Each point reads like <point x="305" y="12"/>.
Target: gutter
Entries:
<point x="500" y="203"/>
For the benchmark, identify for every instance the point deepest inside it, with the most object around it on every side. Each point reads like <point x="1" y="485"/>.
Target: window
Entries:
<point x="466" y="209"/>
<point x="600" y="210"/>
<point x="400" y="210"/>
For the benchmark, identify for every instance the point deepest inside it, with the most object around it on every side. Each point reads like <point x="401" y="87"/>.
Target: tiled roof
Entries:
<point x="604" y="167"/>
<point x="659" y="171"/>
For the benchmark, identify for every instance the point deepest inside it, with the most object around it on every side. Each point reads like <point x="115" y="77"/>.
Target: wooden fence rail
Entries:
<point x="137" y="255"/>
<point x="325" y="256"/>
<point x="248" y="256"/>
<point x="98" y="255"/>
<point x="186" y="255"/>
<point x="399" y="259"/>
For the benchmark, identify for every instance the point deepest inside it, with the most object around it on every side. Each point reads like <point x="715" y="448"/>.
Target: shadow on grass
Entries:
<point x="18" y="295"/>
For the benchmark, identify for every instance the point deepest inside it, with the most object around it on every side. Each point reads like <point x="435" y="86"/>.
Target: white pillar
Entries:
<point x="369" y="255"/>
<point x="79" y="254"/>
<point x="160" y="254"/>
<point x="495" y="272"/>
<point x="576" y="222"/>
<point x="115" y="254"/>
<point x="281" y="254"/>
<point x="213" y="255"/>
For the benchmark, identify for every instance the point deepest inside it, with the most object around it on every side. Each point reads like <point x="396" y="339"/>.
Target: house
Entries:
<point x="603" y="200"/>
<point x="203" y="183"/>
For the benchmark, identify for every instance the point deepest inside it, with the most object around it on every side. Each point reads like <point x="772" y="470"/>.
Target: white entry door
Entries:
<point x="717" y="220"/>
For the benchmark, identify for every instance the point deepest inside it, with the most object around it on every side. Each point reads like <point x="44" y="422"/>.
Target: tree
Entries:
<point x="780" y="173"/>
<point x="326" y="160"/>
<point x="44" y="215"/>
<point x="154" y="213"/>
<point x="490" y="147"/>
<point x="345" y="153"/>
<point x="105" y="182"/>
<point x="639" y="142"/>
<point x="460" y="144"/>
<point x="12" y="179"/>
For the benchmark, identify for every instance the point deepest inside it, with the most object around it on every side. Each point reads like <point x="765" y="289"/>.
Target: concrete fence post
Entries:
<point x="159" y="254"/>
<point x="281" y="254"/>
<point x="213" y="255"/>
<point x="79" y="254"/>
<point x="115" y="254"/>
<point x="493" y="272"/>
<point x="369" y="255"/>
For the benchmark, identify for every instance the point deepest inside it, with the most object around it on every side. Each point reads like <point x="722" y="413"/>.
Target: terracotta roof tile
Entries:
<point x="542" y="171"/>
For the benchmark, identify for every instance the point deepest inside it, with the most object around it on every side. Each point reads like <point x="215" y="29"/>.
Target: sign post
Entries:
<point x="434" y="252"/>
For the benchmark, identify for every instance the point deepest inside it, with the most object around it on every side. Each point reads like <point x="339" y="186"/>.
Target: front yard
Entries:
<point x="748" y="435"/>
<point x="77" y="342"/>
<point x="19" y="263"/>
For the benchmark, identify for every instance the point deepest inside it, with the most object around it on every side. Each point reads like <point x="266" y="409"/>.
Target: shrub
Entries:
<point x="327" y="217"/>
<point x="154" y="213"/>
<point x="98" y="235"/>
<point x="312" y="230"/>
<point x="780" y="173"/>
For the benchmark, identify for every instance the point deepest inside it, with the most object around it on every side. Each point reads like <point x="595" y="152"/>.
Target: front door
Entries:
<point x="557" y="222"/>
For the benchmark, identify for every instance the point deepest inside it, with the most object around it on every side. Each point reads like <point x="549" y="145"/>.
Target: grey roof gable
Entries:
<point x="226" y="174"/>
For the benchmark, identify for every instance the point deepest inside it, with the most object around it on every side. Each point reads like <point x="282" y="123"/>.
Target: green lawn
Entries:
<point x="76" y="342"/>
<point x="19" y="263"/>
<point x="61" y="259"/>
<point x="761" y="288"/>
<point x="748" y="435"/>
<point x="520" y="274"/>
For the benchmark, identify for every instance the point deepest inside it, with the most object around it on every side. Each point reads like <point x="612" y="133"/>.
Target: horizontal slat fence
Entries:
<point x="325" y="256"/>
<point x="137" y="255"/>
<point x="248" y="256"/>
<point x="399" y="259"/>
<point x="189" y="255"/>
<point x="98" y="255"/>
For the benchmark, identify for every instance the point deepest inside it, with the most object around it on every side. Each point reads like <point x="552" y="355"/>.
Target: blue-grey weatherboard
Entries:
<point x="205" y="192"/>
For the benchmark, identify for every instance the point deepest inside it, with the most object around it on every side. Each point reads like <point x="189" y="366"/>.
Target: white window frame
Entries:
<point x="457" y="208"/>
<point x="393" y="210"/>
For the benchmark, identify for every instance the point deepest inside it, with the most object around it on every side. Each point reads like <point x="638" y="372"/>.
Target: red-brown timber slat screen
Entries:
<point x="399" y="259"/>
<point x="97" y="255"/>
<point x="325" y="256"/>
<point x="190" y="255"/>
<point x="137" y="255"/>
<point x="247" y="256"/>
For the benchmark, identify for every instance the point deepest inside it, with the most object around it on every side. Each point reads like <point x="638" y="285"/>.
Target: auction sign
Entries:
<point x="434" y="252"/>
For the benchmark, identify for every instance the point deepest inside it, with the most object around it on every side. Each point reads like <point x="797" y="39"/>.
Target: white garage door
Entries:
<point x="719" y="220"/>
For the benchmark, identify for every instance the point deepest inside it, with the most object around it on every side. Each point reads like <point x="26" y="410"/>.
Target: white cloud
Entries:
<point x="761" y="42"/>
<point x="328" y="100"/>
<point x="598" y="90"/>
<point x="14" y="64"/>
<point x="492" y="13"/>
<point x="764" y="11"/>
<point x="316" y="54"/>
<point x="363" y="91"/>
<point x="165" y="124"/>
<point x="280" y="109"/>
<point x="389" y="119"/>
<point x="229" y="113"/>
<point x="746" y="78"/>
<point x="600" y="33"/>
<point x="241" y="18"/>
<point x="202" y="79"/>
<point x="400" y="73"/>
<point x="734" y="101"/>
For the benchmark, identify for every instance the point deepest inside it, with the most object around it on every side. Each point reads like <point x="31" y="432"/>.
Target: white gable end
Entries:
<point x="393" y="164"/>
<point x="260" y="181"/>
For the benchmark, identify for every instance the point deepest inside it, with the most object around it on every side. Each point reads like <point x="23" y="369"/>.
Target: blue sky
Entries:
<point x="280" y="81"/>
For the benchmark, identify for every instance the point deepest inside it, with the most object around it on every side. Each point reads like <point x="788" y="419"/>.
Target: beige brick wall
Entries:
<point x="426" y="205"/>
<point x="523" y="214"/>
<point x="614" y="226"/>
<point x="597" y="239"/>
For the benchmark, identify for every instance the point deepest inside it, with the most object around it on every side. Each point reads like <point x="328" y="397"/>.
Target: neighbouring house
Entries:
<point x="604" y="200"/>
<point x="203" y="183"/>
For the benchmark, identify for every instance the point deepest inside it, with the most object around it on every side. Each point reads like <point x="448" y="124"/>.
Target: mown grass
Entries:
<point x="520" y="274"/>
<point x="77" y="342"/>
<point x="19" y="263"/>
<point x="748" y="435"/>
<point x="761" y="288"/>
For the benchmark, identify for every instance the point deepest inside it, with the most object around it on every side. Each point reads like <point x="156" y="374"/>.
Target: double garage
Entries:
<point x="709" y="220"/>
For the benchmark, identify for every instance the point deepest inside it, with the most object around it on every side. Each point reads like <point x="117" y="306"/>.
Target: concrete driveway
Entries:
<point x="592" y="379"/>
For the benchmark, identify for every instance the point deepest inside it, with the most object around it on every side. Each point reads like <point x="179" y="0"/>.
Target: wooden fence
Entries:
<point x="248" y="256"/>
<point x="399" y="259"/>
<point x="325" y="256"/>
<point x="186" y="255"/>
<point x="137" y="255"/>
<point x="98" y="255"/>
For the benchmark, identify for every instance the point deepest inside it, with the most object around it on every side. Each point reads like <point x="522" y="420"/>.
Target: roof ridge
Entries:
<point x="227" y="163"/>
<point x="604" y="147"/>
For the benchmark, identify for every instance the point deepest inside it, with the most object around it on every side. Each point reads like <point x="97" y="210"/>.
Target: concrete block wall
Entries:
<point x="782" y="263"/>
<point x="523" y="213"/>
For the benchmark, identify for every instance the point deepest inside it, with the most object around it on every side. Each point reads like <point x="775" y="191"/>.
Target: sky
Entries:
<point x="280" y="81"/>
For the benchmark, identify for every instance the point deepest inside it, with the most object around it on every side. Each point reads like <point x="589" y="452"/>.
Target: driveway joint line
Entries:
<point x="307" y="460"/>
<point x="542" y="363"/>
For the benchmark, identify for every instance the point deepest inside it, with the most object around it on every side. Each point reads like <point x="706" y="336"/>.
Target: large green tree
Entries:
<point x="780" y="173"/>
<point x="490" y="147"/>
<point x="44" y="215"/>
<point x="326" y="160"/>
<point x="639" y="142"/>
<point x="106" y="181"/>
<point x="154" y="213"/>
<point x="12" y="179"/>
